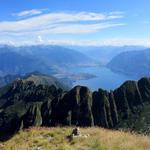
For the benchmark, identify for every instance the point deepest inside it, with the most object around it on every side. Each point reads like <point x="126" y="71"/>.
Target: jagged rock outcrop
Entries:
<point x="74" y="108"/>
<point x="101" y="109"/>
<point x="32" y="117"/>
<point x="23" y="104"/>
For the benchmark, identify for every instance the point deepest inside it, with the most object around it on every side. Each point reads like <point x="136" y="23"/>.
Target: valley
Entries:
<point x="104" y="78"/>
<point x="61" y="93"/>
<point x="74" y="75"/>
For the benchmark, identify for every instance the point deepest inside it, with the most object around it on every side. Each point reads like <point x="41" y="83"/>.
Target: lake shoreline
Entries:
<point x="105" y="78"/>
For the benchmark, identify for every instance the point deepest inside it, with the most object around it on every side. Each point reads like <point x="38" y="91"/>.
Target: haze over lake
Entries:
<point x="106" y="79"/>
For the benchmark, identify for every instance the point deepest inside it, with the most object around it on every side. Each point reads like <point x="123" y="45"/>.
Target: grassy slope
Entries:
<point x="99" y="139"/>
<point x="48" y="80"/>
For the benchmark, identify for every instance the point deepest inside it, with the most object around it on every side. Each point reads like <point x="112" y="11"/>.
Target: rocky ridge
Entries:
<point x="23" y="104"/>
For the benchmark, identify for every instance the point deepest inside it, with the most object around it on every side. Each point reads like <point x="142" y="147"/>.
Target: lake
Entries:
<point x="106" y="79"/>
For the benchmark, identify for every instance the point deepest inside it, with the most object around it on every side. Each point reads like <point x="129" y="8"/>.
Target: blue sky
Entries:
<point x="75" y="22"/>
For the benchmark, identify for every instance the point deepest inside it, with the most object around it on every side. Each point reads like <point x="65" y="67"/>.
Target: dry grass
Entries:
<point x="55" y="139"/>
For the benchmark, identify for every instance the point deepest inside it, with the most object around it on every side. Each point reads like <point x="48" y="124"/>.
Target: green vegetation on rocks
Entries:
<point x="37" y="77"/>
<point x="24" y="104"/>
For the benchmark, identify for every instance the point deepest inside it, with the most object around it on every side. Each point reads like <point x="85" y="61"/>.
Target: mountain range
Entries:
<point x="24" y="104"/>
<point x="56" y="55"/>
<point x="13" y="62"/>
<point x="103" y="54"/>
<point x="133" y="63"/>
<point x="41" y="58"/>
<point x="49" y="60"/>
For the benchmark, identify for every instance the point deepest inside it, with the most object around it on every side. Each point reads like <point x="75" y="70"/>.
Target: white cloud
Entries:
<point x="108" y="42"/>
<point x="28" y="13"/>
<point x="116" y="13"/>
<point x="7" y="42"/>
<point x="39" y="39"/>
<point x="114" y="17"/>
<point x="69" y="29"/>
<point x="57" y="23"/>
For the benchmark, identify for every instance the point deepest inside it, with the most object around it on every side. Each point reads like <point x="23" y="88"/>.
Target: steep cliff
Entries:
<point x="24" y="104"/>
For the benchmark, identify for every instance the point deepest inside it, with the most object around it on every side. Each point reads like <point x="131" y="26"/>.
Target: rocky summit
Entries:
<point x="24" y="104"/>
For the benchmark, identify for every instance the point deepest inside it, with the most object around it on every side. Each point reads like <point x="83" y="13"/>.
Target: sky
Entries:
<point x="75" y="22"/>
